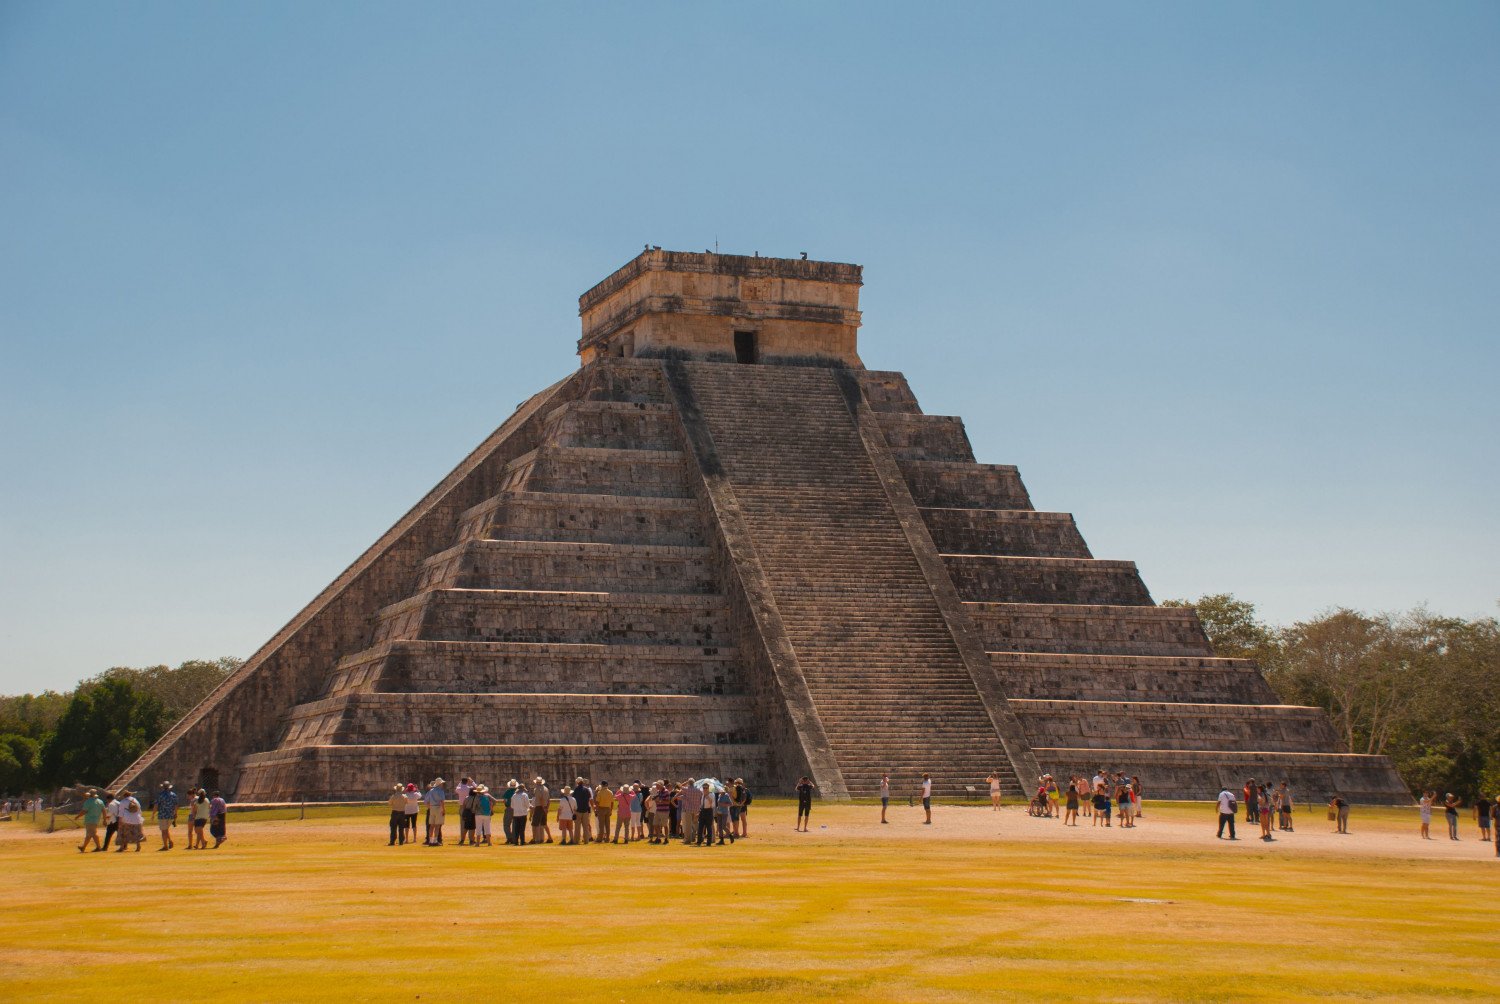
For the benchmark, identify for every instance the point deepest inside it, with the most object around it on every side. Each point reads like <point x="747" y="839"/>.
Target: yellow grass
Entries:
<point x="977" y="906"/>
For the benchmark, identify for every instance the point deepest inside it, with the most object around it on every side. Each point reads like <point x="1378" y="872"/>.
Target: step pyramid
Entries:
<point x="722" y="547"/>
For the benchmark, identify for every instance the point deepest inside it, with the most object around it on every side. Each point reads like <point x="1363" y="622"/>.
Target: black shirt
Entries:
<point x="581" y="796"/>
<point x="804" y="791"/>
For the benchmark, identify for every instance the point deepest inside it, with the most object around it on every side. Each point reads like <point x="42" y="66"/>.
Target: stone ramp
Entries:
<point x="886" y="677"/>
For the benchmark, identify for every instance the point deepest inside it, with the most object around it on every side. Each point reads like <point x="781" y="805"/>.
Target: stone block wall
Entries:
<point x="1084" y="628"/>
<point x="1172" y="726"/>
<point x="601" y="519"/>
<point x="958" y="485"/>
<point x="1021" y="532"/>
<point x="1186" y="679"/>
<point x="1005" y="579"/>
<point x="568" y="565"/>
<point x="926" y="437"/>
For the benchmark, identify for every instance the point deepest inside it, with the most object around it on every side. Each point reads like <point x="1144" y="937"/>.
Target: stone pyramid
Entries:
<point x="724" y="547"/>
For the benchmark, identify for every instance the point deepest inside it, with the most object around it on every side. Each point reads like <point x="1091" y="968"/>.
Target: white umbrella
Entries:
<point x="715" y="785"/>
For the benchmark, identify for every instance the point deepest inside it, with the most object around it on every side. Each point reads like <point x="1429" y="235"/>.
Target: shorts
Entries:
<point x="734" y="813"/>
<point x="166" y="824"/>
<point x="435" y="816"/>
<point x="885" y="801"/>
<point x="216" y="826"/>
<point x="635" y="819"/>
<point x="927" y="802"/>
<point x="199" y="824"/>
<point x="539" y="816"/>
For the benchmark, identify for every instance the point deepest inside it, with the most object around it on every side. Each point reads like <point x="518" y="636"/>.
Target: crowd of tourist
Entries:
<point x="697" y="811"/>
<point x="124" y="818"/>
<point x="1102" y="798"/>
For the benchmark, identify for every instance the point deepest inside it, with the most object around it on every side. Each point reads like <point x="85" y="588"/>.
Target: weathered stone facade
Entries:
<point x="673" y="563"/>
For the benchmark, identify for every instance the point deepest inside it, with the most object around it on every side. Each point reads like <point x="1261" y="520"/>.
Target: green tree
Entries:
<point x="1233" y="629"/>
<point x="105" y="727"/>
<point x="20" y="764"/>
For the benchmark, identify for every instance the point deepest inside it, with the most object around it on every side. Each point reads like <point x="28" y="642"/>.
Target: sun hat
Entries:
<point x="438" y="780"/>
<point x="409" y="786"/>
<point x="166" y="784"/>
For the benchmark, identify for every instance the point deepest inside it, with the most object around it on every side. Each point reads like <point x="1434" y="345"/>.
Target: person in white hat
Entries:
<point x="166" y="814"/>
<point x="435" y="798"/>
<point x="484" y="811"/>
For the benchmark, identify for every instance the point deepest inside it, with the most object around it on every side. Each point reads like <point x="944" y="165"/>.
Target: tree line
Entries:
<point x="1420" y="688"/>
<point x="94" y="731"/>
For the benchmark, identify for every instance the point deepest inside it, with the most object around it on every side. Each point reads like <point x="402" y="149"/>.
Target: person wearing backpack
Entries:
<point x="1227" y="809"/>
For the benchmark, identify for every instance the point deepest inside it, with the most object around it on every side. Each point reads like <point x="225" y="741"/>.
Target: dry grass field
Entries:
<point x="978" y="906"/>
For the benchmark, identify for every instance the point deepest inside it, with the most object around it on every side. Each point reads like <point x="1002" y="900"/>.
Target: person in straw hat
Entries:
<point x="131" y="821"/>
<point x="166" y="814"/>
<point x="397" y="803"/>
<point x="436" y="798"/>
<point x="484" y="811"/>
<point x="91" y="811"/>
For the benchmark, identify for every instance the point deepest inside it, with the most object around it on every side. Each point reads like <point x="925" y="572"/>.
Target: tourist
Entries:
<point x="1252" y="801"/>
<point x="413" y="806"/>
<point x="132" y="822"/>
<point x="1101" y="804"/>
<point x="436" y="799"/>
<point x="723" y="801"/>
<point x="927" y="799"/>
<point x="566" y="808"/>
<point x="604" y="807"/>
<point x="583" y="820"/>
<point x="691" y="802"/>
<point x="1053" y="798"/>
<point x="541" y="802"/>
<point x="1482" y="817"/>
<point x="218" y="819"/>
<point x="745" y="796"/>
<point x="1339" y="809"/>
<point x="703" y="824"/>
<point x="484" y="812"/>
<point x="461" y="793"/>
<point x="1286" y="807"/>
<point x="1125" y="798"/>
<point x="1227" y="809"/>
<point x="994" y="780"/>
<point x="674" y="809"/>
<point x="1085" y="797"/>
<point x="624" y="806"/>
<point x="520" y="815"/>
<point x="1070" y="806"/>
<point x="737" y="794"/>
<point x="398" y="816"/>
<point x="92" y="812"/>
<point x="634" y="820"/>
<point x="198" y="813"/>
<point x="1266" y="812"/>
<point x="111" y="818"/>
<point x="885" y="796"/>
<point x="1135" y="797"/>
<point x="166" y="814"/>
<point x="507" y="824"/>
<point x="1424" y="809"/>
<point x="1450" y="811"/>
<point x="661" y="821"/>
<point x="804" y="803"/>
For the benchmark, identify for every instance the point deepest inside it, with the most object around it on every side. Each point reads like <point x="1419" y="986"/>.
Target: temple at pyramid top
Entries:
<point x="723" y="308"/>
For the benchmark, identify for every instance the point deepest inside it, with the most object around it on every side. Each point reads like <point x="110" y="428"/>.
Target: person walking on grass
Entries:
<point x="1482" y="817"/>
<point x="885" y="796"/>
<point x="1424" y="810"/>
<point x="1450" y="812"/>
<point x="583" y="816"/>
<point x="804" y="803"/>
<point x="92" y="812"/>
<point x="111" y="818"/>
<point x="166" y="814"/>
<point x="132" y="820"/>
<point x="218" y="819"/>
<point x="1339" y="809"/>
<point x="1227" y="810"/>
<point x="198" y="814"/>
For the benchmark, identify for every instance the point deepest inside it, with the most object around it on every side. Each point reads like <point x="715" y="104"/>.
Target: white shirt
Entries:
<point x="520" y="803"/>
<point x="885" y="788"/>
<point x="130" y="812"/>
<point x="565" y="807"/>
<point x="1226" y="802"/>
<point x="462" y="792"/>
<point x="413" y="802"/>
<point x="112" y="812"/>
<point x="927" y="788"/>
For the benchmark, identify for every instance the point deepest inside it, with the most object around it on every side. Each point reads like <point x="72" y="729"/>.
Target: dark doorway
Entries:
<point x="208" y="779"/>
<point x="744" y="347"/>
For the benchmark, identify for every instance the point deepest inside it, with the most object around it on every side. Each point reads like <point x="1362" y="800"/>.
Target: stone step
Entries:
<point x="887" y="391"/>
<point x="567" y="718"/>
<point x="570" y="566"/>
<point x="1167" y="726"/>
<point x="1089" y="629"/>
<point x="565" y="516"/>
<point x="1199" y="774"/>
<point x="955" y="485"/>
<point x="914" y="436"/>
<point x="998" y="579"/>
<point x="1189" y="679"/>
<point x="1020" y="532"/>
<point x="580" y="470"/>
<point x="624" y="425"/>
<point x="342" y="773"/>
<point x="463" y="666"/>
<point x="543" y="616"/>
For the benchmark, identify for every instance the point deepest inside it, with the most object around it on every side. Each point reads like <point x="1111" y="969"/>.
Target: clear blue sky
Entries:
<point x="1221" y="279"/>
